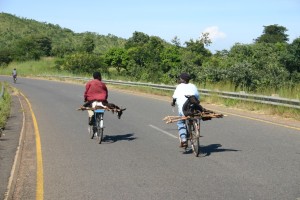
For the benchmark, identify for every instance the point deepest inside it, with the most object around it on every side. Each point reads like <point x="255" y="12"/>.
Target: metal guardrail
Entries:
<point x="291" y="103"/>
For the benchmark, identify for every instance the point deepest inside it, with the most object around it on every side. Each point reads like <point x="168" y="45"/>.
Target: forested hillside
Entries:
<point x="270" y="63"/>
<point x="15" y="30"/>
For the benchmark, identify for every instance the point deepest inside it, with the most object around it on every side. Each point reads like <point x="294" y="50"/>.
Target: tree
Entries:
<point x="205" y="39"/>
<point x="27" y="48"/>
<point x="170" y="59"/>
<point x="176" y="41"/>
<point x="273" y="34"/>
<point x="153" y="48"/>
<point x="88" y="44"/>
<point x="5" y="57"/>
<point x="198" y="47"/>
<point x="291" y="59"/>
<point x="200" y="53"/>
<point x="45" y="45"/>
<point x="138" y="39"/>
<point x="117" y="57"/>
<point x="82" y="63"/>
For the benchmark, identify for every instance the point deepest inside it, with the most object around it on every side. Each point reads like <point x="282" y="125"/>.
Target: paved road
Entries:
<point x="140" y="158"/>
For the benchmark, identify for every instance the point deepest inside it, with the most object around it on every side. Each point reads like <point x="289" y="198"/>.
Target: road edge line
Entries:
<point x="39" y="158"/>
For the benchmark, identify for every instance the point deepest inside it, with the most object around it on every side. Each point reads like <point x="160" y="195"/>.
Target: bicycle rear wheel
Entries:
<point x="99" y="122"/>
<point x="195" y="137"/>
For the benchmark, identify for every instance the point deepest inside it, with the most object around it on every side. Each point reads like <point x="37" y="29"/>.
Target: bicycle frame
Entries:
<point x="15" y="78"/>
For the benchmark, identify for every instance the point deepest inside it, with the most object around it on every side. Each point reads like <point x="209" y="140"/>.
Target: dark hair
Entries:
<point x="97" y="75"/>
<point x="185" y="76"/>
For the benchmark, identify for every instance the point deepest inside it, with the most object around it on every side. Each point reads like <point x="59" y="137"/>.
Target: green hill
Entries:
<point x="14" y="28"/>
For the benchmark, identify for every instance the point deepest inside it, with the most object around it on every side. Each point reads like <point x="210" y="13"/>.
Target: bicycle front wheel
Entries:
<point x="100" y="135"/>
<point x="195" y="137"/>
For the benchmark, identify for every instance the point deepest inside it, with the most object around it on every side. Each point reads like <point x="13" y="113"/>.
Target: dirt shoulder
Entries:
<point x="18" y="153"/>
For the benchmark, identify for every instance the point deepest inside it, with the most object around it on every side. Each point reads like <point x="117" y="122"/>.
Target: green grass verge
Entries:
<point x="5" y="105"/>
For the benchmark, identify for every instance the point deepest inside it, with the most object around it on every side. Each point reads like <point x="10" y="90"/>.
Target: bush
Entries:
<point x="5" y="103"/>
<point x="82" y="63"/>
<point x="5" y="57"/>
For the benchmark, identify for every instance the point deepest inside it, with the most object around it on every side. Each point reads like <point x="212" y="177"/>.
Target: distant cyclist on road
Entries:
<point x="184" y="88"/>
<point x="14" y="74"/>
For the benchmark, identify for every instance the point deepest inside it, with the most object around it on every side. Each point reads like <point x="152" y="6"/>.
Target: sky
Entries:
<point x="227" y="21"/>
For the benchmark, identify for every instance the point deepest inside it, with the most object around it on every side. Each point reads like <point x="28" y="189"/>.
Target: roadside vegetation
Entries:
<point x="48" y="69"/>
<point x="5" y="104"/>
<point x="268" y="66"/>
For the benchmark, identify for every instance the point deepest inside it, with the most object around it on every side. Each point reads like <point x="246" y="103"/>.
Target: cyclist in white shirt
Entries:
<point x="184" y="88"/>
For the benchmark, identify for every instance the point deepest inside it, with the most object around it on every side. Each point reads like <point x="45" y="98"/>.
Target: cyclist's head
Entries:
<point x="14" y="68"/>
<point x="97" y="75"/>
<point x="184" y="78"/>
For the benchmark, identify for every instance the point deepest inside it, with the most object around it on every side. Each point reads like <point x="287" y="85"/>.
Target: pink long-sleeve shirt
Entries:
<point x="95" y="90"/>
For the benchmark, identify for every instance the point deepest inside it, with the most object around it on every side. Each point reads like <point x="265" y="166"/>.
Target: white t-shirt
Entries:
<point x="184" y="89"/>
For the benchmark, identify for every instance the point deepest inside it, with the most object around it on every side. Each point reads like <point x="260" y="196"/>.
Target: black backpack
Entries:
<point x="191" y="106"/>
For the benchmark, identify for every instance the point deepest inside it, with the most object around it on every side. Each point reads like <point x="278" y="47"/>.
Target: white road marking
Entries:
<point x="165" y="132"/>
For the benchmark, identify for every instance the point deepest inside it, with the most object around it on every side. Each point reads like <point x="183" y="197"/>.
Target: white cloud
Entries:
<point x="214" y="33"/>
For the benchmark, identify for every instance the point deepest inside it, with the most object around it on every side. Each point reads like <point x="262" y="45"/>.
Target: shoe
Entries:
<point x="183" y="144"/>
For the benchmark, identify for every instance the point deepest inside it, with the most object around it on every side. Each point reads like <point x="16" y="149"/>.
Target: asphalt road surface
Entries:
<point x="241" y="158"/>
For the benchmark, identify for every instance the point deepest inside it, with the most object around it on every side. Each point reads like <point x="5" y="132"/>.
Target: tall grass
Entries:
<point x="31" y="68"/>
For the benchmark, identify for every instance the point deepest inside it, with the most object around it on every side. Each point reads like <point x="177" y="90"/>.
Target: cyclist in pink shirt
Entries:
<point x="95" y="90"/>
<point x="95" y="94"/>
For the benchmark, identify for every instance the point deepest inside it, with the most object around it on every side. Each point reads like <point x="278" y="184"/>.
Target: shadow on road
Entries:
<point x="209" y="149"/>
<point x="115" y="138"/>
<point x="213" y="148"/>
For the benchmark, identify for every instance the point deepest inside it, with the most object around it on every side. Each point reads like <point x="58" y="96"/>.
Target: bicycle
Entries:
<point x="96" y="129"/>
<point x="15" y="78"/>
<point x="192" y="124"/>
